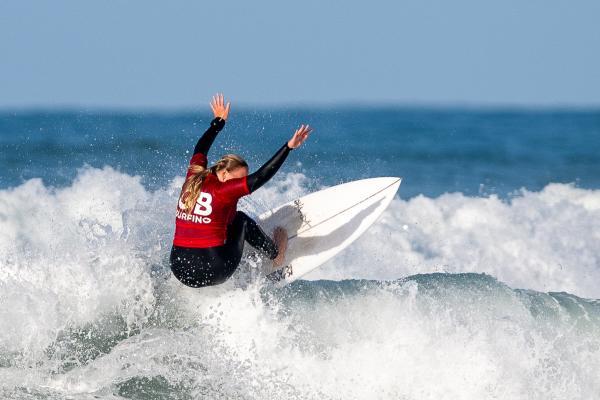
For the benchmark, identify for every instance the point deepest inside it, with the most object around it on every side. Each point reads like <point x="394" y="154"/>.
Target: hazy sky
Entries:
<point x="177" y="53"/>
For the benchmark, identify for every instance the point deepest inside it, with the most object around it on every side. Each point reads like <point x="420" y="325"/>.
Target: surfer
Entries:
<point x="209" y="231"/>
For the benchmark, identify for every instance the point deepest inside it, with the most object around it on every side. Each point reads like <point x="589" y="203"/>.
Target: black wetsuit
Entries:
<point x="197" y="267"/>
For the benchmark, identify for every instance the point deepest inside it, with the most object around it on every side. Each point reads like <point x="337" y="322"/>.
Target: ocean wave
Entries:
<point x="470" y="334"/>
<point x="544" y="240"/>
<point x="88" y="306"/>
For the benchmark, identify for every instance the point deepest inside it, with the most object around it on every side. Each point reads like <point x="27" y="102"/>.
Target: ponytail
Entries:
<point x="193" y="184"/>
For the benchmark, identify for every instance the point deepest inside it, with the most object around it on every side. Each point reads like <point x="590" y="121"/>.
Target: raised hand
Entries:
<point x="299" y="137"/>
<point x="218" y="106"/>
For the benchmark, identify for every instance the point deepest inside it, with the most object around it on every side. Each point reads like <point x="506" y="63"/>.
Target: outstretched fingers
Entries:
<point x="218" y="107"/>
<point x="300" y="135"/>
<point x="304" y="131"/>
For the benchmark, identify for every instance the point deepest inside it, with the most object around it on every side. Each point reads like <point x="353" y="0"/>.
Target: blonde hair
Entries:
<point x="192" y="185"/>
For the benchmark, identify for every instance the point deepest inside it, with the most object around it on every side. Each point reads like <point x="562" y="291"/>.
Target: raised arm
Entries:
<point x="221" y="112"/>
<point x="266" y="172"/>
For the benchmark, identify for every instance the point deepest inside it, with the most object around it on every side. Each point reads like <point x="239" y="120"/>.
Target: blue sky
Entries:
<point x="177" y="53"/>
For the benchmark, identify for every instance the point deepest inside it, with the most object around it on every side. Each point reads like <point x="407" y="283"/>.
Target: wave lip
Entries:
<point x="544" y="240"/>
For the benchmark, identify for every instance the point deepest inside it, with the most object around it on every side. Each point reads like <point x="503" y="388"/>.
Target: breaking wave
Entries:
<point x="424" y="306"/>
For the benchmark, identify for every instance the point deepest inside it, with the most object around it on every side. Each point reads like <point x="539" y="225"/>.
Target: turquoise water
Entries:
<point x="478" y="282"/>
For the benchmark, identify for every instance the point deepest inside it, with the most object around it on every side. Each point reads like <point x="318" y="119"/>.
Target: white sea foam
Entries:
<point x="546" y="240"/>
<point x="465" y="337"/>
<point x="82" y="265"/>
<point x="65" y="255"/>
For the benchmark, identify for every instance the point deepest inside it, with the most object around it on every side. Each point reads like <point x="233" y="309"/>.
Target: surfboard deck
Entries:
<point x="323" y="223"/>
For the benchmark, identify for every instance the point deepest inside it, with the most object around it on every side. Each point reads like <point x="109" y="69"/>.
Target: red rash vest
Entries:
<point x="206" y="224"/>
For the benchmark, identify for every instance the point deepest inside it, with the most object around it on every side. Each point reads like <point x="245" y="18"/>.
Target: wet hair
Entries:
<point x="191" y="188"/>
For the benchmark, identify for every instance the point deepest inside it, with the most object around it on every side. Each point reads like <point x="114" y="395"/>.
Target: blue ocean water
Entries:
<point x="435" y="150"/>
<point x="478" y="282"/>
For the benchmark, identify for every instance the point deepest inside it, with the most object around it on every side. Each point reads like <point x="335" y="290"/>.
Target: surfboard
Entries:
<point x="323" y="223"/>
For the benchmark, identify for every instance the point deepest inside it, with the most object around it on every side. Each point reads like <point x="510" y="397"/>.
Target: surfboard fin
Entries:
<point x="281" y="273"/>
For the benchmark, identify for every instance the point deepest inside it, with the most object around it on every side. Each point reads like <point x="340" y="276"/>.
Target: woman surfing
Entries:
<point x="209" y="231"/>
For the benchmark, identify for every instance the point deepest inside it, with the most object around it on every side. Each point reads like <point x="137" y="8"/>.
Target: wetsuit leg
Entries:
<point x="243" y="228"/>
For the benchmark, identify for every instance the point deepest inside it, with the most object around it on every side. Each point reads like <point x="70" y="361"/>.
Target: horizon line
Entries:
<point x="321" y="106"/>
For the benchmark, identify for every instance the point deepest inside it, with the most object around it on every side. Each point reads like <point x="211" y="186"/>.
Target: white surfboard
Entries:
<point x="323" y="223"/>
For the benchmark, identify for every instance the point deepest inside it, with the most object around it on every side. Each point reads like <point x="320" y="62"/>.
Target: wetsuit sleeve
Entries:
<point x="266" y="172"/>
<point x="207" y="139"/>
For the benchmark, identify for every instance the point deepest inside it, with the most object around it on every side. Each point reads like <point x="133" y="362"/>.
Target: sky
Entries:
<point x="175" y="54"/>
